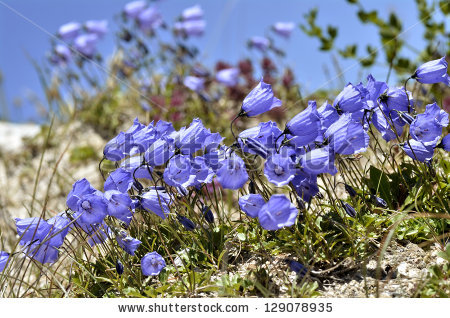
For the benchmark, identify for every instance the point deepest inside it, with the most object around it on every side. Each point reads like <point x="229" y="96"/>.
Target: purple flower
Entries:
<point x="348" y="209"/>
<point x="119" y="267"/>
<point x="228" y="77"/>
<point x="277" y="213"/>
<point x="433" y="72"/>
<point x="120" y="179"/>
<point x="305" y="125"/>
<point x="119" y="205"/>
<point x="260" y="100"/>
<point x="152" y="264"/>
<point x="149" y="19"/>
<point x="41" y="252"/>
<point x="31" y="229"/>
<point x="207" y="214"/>
<point x="350" y="100"/>
<point x="133" y="165"/>
<point x="351" y="192"/>
<point x="127" y="243"/>
<point x="393" y="100"/>
<point x="157" y="202"/>
<point x="194" y="83"/>
<point x="319" y="161"/>
<point x="3" y="260"/>
<point x="187" y="224"/>
<point x="260" y="42"/>
<point x="347" y="136"/>
<point x="159" y="152"/>
<point x="86" y="44"/>
<point x="98" y="27"/>
<point x="178" y="172"/>
<point x="232" y="173"/>
<point x="445" y="143"/>
<point x="201" y="172"/>
<point x="92" y="208"/>
<point x="69" y="31"/>
<point x="300" y="269"/>
<point x="61" y="54"/>
<point x="279" y="169"/>
<point x="384" y="125"/>
<point x="191" y="27"/>
<point x="190" y="140"/>
<point x="117" y="148"/>
<point x="328" y="115"/>
<point x="427" y="127"/>
<point x="417" y="150"/>
<point x="305" y="185"/>
<point x="253" y="146"/>
<point x="79" y="189"/>
<point x="192" y="13"/>
<point x="134" y="8"/>
<point x="98" y="233"/>
<point x="379" y="202"/>
<point x="61" y="225"/>
<point x="375" y="89"/>
<point x="264" y="133"/>
<point x="284" y="28"/>
<point x="251" y="204"/>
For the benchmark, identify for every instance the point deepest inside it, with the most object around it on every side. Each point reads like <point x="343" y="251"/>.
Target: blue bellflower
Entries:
<point x="119" y="205"/>
<point x="427" y="127"/>
<point x="259" y="42"/>
<point x="3" y="260"/>
<point x="260" y="100"/>
<point x="120" y="179"/>
<point x="445" y="143"/>
<point x="149" y="19"/>
<point x="232" y="173"/>
<point x="69" y="31"/>
<point x="279" y="169"/>
<point x="305" y="125"/>
<point x="347" y="136"/>
<point x="317" y="161"/>
<point x="251" y="204"/>
<point x="305" y="185"/>
<point x="351" y="99"/>
<point x="92" y="208"/>
<point x="157" y="202"/>
<point x="433" y="72"/>
<point x="134" y="8"/>
<point x="228" y="77"/>
<point x="178" y="172"/>
<point x="194" y="83"/>
<point x="187" y="223"/>
<point x="284" y="29"/>
<point x="417" y="150"/>
<point x="127" y="243"/>
<point x="152" y="264"/>
<point x="31" y="229"/>
<point x="277" y="213"/>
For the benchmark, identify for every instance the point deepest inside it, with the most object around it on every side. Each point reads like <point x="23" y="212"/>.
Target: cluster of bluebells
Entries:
<point x="78" y="40"/>
<point x="177" y="163"/>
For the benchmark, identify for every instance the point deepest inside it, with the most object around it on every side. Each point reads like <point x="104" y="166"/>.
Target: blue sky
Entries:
<point x="229" y="24"/>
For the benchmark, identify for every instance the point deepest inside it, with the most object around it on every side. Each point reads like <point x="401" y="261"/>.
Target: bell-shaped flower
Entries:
<point x="119" y="205"/>
<point x="279" y="169"/>
<point x="163" y="128"/>
<point x="61" y="225"/>
<point x="328" y="115"/>
<point x="69" y="31"/>
<point x="445" y="143"/>
<point x="3" y="260"/>
<point x="157" y="202"/>
<point x="92" y="208"/>
<point x="194" y="83"/>
<point x="159" y="152"/>
<point x="232" y="173"/>
<point x="251" y="204"/>
<point x="127" y="243"/>
<point x="417" y="150"/>
<point x="178" y="172"/>
<point x="347" y="136"/>
<point x="86" y="44"/>
<point x="260" y="100"/>
<point x="42" y="252"/>
<point x="260" y="42"/>
<point x="152" y="264"/>
<point x="277" y="213"/>
<point x="190" y="27"/>
<point x="192" y="13"/>
<point x="385" y="126"/>
<point x="375" y="89"/>
<point x="117" y="148"/>
<point x="133" y="165"/>
<point x="433" y="72"/>
<point x="350" y="99"/>
<point x="134" y="8"/>
<point x="201" y="171"/>
<point x="306" y="125"/>
<point x="317" y="161"/>
<point x="32" y="229"/>
<point x="120" y="179"/>
<point x="305" y="185"/>
<point x="228" y="77"/>
<point x="207" y="214"/>
<point x="265" y="133"/>
<point x="187" y="223"/>
<point x="348" y="209"/>
<point x="427" y="127"/>
<point x="190" y="140"/>
<point x="395" y="99"/>
<point x="80" y="188"/>
<point x="149" y="19"/>
<point x="98" y="27"/>
<point x="284" y="28"/>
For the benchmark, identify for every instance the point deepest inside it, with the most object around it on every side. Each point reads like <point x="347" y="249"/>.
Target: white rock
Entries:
<point x="11" y="135"/>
